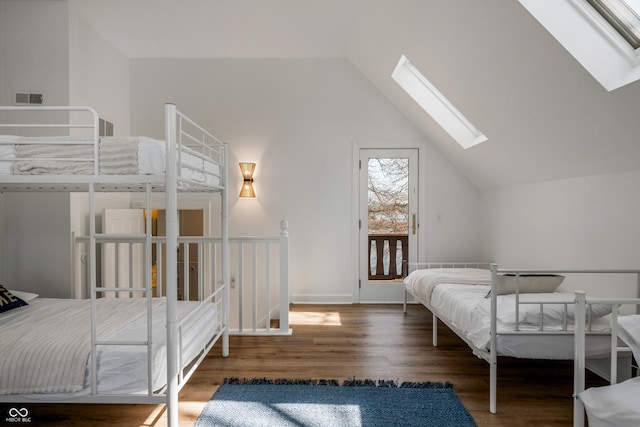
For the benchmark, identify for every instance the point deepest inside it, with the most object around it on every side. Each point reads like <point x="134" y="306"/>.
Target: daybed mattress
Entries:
<point x="466" y="307"/>
<point x="617" y="405"/>
<point x="118" y="156"/>
<point x="121" y="369"/>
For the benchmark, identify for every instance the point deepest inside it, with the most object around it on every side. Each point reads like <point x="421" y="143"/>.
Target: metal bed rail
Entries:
<point x="490" y="354"/>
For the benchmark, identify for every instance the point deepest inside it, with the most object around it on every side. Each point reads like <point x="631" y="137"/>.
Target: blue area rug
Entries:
<point x="323" y="403"/>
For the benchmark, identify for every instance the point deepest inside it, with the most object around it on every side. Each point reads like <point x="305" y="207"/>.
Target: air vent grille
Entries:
<point x="28" y="98"/>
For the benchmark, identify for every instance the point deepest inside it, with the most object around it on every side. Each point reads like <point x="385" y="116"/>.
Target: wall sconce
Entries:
<point x="247" y="174"/>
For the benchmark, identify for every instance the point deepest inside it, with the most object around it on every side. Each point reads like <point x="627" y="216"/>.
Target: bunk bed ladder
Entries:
<point x="98" y="291"/>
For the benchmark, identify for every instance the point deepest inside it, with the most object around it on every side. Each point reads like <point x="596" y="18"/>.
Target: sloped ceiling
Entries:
<point x="545" y="117"/>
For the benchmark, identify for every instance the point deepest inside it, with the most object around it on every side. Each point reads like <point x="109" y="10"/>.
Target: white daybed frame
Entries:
<point x="180" y="131"/>
<point x="491" y="353"/>
<point x="579" y="365"/>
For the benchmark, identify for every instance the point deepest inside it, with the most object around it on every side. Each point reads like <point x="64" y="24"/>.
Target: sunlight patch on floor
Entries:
<point x="154" y="418"/>
<point x="193" y="409"/>
<point x="330" y="318"/>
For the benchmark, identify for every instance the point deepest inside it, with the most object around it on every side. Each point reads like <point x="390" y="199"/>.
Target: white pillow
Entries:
<point x="506" y="306"/>
<point x="553" y="314"/>
<point x="25" y="296"/>
<point x="613" y="405"/>
<point x="528" y="283"/>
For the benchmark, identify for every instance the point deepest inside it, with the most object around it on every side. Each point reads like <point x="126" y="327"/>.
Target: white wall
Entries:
<point x="589" y="222"/>
<point x="98" y="74"/>
<point x="2" y="236"/>
<point x="298" y="119"/>
<point x="36" y="248"/>
<point x="46" y="46"/>
<point x="452" y="212"/>
<point x="34" y="50"/>
<point x="34" y="57"/>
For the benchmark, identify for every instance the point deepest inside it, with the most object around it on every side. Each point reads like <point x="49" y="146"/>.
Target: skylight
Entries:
<point x="624" y="17"/>
<point x="436" y="105"/>
<point x="596" y="38"/>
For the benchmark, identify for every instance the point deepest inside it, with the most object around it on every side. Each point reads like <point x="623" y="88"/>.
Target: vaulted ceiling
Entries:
<point x="544" y="115"/>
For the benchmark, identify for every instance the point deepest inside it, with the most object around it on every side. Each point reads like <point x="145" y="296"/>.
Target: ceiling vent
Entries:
<point x="28" y="98"/>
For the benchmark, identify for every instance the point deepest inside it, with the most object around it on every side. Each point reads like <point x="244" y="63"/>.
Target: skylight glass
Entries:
<point x="623" y="15"/>
<point x="592" y="41"/>
<point x="436" y="104"/>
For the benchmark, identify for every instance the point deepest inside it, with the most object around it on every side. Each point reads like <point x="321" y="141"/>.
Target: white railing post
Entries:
<point x="493" y="343"/>
<point x="225" y="248"/>
<point x="284" y="276"/>
<point x="579" y="358"/>
<point x="255" y="266"/>
<point x="172" y="263"/>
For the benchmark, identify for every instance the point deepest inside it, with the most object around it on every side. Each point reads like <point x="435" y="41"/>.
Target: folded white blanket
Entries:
<point x="117" y="156"/>
<point x="39" y="149"/>
<point x="420" y="283"/>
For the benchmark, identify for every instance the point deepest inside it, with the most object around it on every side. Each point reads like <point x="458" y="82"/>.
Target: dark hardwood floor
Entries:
<point x="355" y="341"/>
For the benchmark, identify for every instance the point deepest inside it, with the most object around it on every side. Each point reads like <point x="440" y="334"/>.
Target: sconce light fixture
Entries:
<point x="247" y="174"/>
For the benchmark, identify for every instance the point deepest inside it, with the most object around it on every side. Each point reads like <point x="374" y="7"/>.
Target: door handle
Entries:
<point x="414" y="224"/>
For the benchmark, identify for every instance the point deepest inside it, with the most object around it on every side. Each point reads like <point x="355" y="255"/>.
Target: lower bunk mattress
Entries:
<point x="460" y="296"/>
<point x="46" y="346"/>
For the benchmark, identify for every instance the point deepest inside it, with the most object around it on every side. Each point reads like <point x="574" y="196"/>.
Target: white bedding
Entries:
<point x="44" y="346"/>
<point x="422" y="282"/>
<point x="629" y="332"/>
<point x="467" y="308"/>
<point x="613" y="405"/>
<point x="120" y="369"/>
<point x="118" y="156"/>
<point x="617" y="405"/>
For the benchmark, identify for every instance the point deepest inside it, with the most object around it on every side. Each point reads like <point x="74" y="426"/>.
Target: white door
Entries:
<point x="388" y="220"/>
<point x="123" y="263"/>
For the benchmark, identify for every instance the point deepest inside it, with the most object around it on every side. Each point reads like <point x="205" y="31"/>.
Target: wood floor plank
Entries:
<point x="355" y="341"/>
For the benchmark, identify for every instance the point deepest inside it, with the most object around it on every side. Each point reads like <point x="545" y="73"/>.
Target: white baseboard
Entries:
<point x="337" y="299"/>
<point x="321" y="299"/>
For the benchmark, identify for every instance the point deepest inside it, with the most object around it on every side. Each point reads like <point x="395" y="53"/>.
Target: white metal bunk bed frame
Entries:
<point x="175" y="134"/>
<point x="490" y="355"/>
<point x="579" y="364"/>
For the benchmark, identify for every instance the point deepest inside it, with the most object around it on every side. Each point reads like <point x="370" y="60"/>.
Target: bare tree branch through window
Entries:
<point x="388" y="196"/>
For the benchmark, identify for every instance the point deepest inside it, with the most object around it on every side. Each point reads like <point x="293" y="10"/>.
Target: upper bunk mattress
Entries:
<point x="66" y="155"/>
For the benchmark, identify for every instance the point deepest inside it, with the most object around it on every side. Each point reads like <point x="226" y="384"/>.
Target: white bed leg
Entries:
<point x="434" y="330"/>
<point x="404" y="303"/>
<point x="493" y="385"/>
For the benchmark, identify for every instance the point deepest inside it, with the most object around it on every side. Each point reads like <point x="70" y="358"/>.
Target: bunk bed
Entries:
<point x="170" y="337"/>
<point x="615" y="404"/>
<point x="507" y="312"/>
